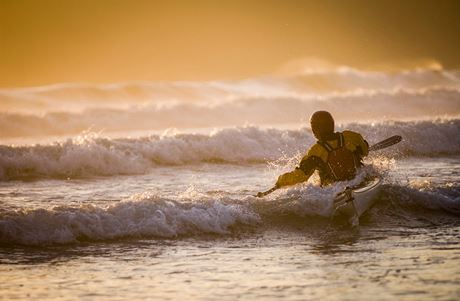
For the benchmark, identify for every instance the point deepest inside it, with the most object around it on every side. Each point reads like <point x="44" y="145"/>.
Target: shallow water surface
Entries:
<point x="195" y="231"/>
<point x="293" y="264"/>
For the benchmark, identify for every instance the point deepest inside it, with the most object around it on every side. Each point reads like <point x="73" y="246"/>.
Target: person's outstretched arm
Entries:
<point x="301" y="174"/>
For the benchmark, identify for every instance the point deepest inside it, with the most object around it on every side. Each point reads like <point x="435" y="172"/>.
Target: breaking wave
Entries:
<point x="147" y="218"/>
<point x="260" y="110"/>
<point x="92" y="155"/>
<point x="155" y="217"/>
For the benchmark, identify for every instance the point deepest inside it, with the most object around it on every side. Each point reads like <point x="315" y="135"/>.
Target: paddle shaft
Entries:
<point x="386" y="143"/>
<point x="378" y="146"/>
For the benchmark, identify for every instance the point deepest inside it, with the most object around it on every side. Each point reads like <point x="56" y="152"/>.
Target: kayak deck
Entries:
<point x="354" y="201"/>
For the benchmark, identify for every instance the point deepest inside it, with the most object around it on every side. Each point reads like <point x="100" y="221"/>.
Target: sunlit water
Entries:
<point x="144" y="190"/>
<point x="403" y="249"/>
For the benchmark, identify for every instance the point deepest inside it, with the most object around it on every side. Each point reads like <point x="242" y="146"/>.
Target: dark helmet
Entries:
<point x="322" y="125"/>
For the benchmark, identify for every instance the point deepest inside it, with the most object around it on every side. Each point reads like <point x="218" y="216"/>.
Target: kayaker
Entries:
<point x="336" y="155"/>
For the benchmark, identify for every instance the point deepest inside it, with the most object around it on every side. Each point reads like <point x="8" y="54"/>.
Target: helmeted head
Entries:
<point x="322" y="125"/>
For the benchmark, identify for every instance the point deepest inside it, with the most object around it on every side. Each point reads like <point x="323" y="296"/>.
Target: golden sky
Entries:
<point x="49" y="41"/>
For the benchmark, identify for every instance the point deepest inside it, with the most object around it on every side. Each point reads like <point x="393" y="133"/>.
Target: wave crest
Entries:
<point x="149" y="216"/>
<point x="92" y="155"/>
<point x="152" y="217"/>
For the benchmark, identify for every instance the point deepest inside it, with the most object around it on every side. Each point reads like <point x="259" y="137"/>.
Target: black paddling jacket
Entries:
<point x="319" y="158"/>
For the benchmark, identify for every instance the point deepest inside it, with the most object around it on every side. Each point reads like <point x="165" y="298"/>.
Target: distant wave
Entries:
<point x="70" y="108"/>
<point x="360" y="105"/>
<point x="155" y="217"/>
<point x="92" y="155"/>
<point x="65" y="97"/>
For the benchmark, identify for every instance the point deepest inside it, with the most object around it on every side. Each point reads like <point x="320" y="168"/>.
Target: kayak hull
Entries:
<point x="355" y="201"/>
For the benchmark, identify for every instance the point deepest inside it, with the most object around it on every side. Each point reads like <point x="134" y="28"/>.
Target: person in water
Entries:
<point x="336" y="155"/>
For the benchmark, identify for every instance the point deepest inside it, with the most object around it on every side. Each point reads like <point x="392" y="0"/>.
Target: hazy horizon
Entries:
<point x="53" y="41"/>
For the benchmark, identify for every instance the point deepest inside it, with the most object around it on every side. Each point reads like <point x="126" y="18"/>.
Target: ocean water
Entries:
<point x="145" y="190"/>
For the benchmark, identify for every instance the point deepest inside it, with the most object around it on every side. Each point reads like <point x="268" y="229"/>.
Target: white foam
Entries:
<point x="90" y="154"/>
<point x="194" y="214"/>
<point x="151" y="217"/>
<point x="310" y="199"/>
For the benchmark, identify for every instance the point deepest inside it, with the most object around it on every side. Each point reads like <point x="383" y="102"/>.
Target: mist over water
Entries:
<point x="68" y="109"/>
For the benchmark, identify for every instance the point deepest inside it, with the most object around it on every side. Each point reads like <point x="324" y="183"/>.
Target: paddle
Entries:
<point x="386" y="143"/>
<point x="378" y="146"/>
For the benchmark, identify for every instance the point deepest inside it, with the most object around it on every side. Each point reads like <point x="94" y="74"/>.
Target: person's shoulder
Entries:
<point x="351" y="134"/>
<point x="315" y="151"/>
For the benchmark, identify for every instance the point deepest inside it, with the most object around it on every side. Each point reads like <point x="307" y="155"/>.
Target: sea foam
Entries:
<point x="153" y="217"/>
<point x="93" y="155"/>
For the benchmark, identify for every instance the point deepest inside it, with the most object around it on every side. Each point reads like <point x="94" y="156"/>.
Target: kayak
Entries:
<point x="353" y="202"/>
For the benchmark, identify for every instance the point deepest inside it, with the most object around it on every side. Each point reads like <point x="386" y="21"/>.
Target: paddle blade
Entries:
<point x="386" y="143"/>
